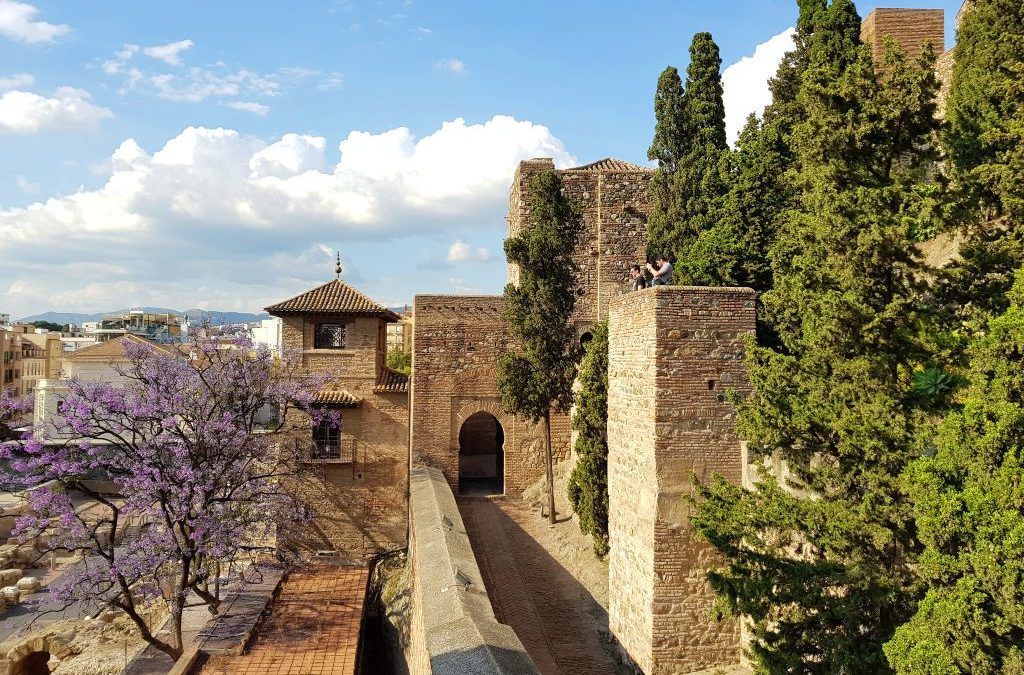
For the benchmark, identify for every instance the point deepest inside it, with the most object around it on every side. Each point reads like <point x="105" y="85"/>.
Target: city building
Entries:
<point x="400" y="333"/>
<point x="163" y="328"/>
<point x="267" y="332"/>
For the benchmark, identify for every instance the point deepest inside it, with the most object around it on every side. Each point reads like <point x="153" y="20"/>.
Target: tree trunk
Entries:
<point x="550" y="468"/>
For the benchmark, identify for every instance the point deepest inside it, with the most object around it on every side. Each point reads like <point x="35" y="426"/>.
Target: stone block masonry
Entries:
<point x="614" y="199"/>
<point x="457" y="341"/>
<point x="912" y="29"/>
<point x="674" y="354"/>
<point x="453" y="629"/>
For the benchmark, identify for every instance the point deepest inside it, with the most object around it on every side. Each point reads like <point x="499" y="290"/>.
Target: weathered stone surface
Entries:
<point x="360" y="506"/>
<point x="911" y="29"/>
<point x="674" y="352"/>
<point x="453" y="627"/>
<point x="456" y="344"/>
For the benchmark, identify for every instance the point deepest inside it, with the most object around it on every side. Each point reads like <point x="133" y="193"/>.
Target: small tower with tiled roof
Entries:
<point x="358" y="474"/>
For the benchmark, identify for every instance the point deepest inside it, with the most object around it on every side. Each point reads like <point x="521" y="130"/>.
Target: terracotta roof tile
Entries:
<point x="610" y="164"/>
<point x="391" y="382"/>
<point x="338" y="397"/>
<point x="334" y="297"/>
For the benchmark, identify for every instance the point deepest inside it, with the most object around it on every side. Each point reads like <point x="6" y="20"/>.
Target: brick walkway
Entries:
<point x="312" y="629"/>
<point x="553" y="614"/>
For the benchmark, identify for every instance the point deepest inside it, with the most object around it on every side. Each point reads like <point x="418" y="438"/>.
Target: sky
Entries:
<point x="215" y="155"/>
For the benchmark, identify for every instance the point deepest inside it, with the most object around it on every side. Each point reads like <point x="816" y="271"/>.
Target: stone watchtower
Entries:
<point x="674" y="354"/>
<point x="357" y="477"/>
<point x="614" y="200"/>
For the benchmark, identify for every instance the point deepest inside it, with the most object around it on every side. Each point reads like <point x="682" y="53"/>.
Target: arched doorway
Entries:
<point x="33" y="663"/>
<point x="481" y="455"/>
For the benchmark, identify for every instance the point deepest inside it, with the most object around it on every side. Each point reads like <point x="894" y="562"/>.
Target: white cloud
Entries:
<point x="451" y="65"/>
<point x="232" y="214"/>
<point x="17" y="21"/>
<point x="249" y="106"/>
<point x="18" y="81"/>
<point x="198" y="84"/>
<point x="745" y="82"/>
<point x="23" y="112"/>
<point x="460" y="251"/>
<point x="169" y="53"/>
<point x="27" y="186"/>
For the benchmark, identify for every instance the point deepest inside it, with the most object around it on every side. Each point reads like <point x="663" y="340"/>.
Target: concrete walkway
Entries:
<point x="556" y="618"/>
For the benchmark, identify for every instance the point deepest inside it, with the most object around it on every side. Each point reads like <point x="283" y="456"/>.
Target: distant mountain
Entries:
<point x="216" y="317"/>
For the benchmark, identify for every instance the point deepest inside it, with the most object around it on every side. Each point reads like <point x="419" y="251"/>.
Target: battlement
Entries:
<point x="912" y="29"/>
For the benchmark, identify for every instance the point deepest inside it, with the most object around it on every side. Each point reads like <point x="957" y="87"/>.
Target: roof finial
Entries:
<point x="337" y="264"/>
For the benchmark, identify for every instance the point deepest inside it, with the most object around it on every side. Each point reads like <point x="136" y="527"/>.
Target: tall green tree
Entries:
<point x="969" y="508"/>
<point x="734" y="251"/>
<point x="985" y="145"/>
<point x="667" y="148"/>
<point x="689" y="142"/>
<point x="588" y="482"/>
<point x="822" y="559"/>
<point x="535" y="377"/>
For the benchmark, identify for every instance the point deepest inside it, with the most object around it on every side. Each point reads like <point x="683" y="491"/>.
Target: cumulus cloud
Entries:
<point x="23" y="112"/>
<point x="249" y="106"/>
<point x="169" y="53"/>
<point x="460" y="251"/>
<point x="18" y="22"/>
<point x="18" y="81"/>
<point x="231" y="214"/>
<point x="745" y="82"/>
<point x="451" y="65"/>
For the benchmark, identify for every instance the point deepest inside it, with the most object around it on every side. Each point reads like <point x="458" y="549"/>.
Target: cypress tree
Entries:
<point x="734" y="251"/>
<point x="968" y="500"/>
<point x="699" y="181"/>
<point x="535" y="377"/>
<point x="667" y="148"/>
<point x="823" y="561"/>
<point x="688" y="143"/>
<point x="588" y="483"/>
<point x="985" y="145"/>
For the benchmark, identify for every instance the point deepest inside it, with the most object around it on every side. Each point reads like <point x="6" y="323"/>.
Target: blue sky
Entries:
<point x="212" y="154"/>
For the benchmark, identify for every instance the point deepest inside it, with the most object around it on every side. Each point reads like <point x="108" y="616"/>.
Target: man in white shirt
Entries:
<point x="663" y="273"/>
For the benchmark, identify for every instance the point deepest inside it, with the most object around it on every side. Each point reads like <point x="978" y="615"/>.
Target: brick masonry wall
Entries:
<point x="361" y="509"/>
<point x="911" y="28"/>
<point x="456" y="344"/>
<point x="614" y="207"/>
<point x="673" y="354"/>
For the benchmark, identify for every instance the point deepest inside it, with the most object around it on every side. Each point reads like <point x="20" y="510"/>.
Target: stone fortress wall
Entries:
<point x="457" y="339"/>
<point x="675" y="352"/>
<point x="614" y="199"/>
<point x="456" y="343"/>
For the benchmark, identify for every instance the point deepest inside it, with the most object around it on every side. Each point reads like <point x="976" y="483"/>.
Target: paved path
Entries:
<point x="312" y="629"/>
<point x="554" y="616"/>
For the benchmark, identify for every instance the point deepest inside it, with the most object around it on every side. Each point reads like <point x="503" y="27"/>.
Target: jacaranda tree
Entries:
<point x="182" y="472"/>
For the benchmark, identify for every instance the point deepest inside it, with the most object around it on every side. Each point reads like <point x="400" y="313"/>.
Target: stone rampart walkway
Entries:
<point x="556" y="618"/>
<point x="313" y="627"/>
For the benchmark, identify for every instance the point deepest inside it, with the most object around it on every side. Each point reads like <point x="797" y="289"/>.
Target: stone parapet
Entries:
<point x="675" y="352"/>
<point x="453" y="626"/>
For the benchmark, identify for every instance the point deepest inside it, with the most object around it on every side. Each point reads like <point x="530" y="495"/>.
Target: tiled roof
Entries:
<point x="610" y="164"/>
<point x="338" y="397"/>
<point x="391" y="382"/>
<point x="113" y="349"/>
<point x="334" y="297"/>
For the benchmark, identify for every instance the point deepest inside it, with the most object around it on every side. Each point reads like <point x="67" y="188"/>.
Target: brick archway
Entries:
<point x="465" y="407"/>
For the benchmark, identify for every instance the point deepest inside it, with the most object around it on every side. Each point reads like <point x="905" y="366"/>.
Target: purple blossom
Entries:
<point x="173" y="472"/>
